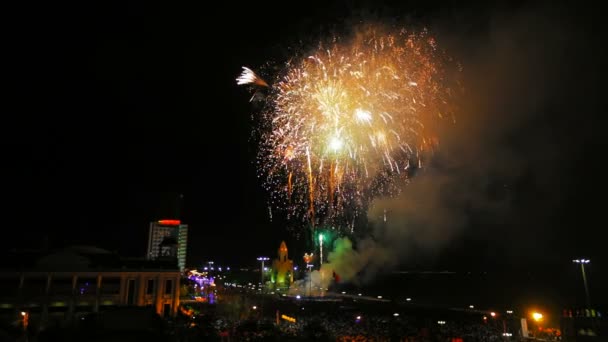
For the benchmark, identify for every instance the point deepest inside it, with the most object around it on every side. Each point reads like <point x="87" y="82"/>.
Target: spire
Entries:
<point x="283" y="251"/>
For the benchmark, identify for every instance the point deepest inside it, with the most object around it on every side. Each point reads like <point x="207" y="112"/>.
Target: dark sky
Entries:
<point x="115" y="110"/>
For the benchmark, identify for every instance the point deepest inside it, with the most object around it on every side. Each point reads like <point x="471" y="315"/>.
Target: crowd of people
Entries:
<point x="343" y="328"/>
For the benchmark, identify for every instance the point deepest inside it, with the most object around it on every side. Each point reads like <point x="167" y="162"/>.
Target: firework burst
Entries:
<point x="346" y="122"/>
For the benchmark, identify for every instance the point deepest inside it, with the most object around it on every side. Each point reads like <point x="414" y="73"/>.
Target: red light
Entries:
<point x="170" y="222"/>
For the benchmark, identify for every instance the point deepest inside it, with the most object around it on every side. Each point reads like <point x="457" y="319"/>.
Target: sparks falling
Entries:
<point x="343" y="124"/>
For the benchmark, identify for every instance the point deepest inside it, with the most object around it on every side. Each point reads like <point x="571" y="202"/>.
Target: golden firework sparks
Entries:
<point x="346" y="120"/>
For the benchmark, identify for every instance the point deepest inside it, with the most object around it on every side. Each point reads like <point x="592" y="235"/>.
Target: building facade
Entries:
<point x="63" y="285"/>
<point x="162" y="231"/>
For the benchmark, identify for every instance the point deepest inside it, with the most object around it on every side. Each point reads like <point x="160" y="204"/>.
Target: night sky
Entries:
<point x="113" y="111"/>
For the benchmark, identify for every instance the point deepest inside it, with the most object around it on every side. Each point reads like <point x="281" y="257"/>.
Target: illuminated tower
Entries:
<point x="163" y="229"/>
<point x="282" y="268"/>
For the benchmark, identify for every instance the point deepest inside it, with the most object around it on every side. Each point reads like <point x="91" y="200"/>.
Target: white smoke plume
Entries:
<point x="505" y="139"/>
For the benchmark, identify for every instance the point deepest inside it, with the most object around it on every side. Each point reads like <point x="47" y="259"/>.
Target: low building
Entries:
<point x="69" y="283"/>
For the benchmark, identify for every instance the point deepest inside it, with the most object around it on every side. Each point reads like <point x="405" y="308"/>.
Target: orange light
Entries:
<point x="537" y="316"/>
<point x="288" y="318"/>
<point x="169" y="222"/>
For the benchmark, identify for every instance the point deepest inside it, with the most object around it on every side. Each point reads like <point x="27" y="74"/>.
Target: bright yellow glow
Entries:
<point x="22" y="313"/>
<point x="363" y="116"/>
<point x="537" y="316"/>
<point x="335" y="144"/>
<point x="288" y="318"/>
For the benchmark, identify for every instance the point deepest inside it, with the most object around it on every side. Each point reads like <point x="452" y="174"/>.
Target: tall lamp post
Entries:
<point x="321" y="250"/>
<point x="582" y="262"/>
<point x="262" y="259"/>
<point x="308" y="260"/>
<point x="25" y="320"/>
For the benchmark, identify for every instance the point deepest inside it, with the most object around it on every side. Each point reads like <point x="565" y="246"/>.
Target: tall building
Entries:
<point x="168" y="238"/>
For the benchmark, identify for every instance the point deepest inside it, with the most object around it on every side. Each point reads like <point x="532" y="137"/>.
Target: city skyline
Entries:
<point x="121" y="112"/>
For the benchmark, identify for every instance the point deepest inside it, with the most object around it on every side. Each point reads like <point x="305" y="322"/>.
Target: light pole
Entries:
<point x="308" y="260"/>
<point x="582" y="262"/>
<point x="262" y="259"/>
<point x="25" y="319"/>
<point x="321" y="250"/>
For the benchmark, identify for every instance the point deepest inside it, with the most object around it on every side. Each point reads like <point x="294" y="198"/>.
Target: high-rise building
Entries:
<point x="168" y="238"/>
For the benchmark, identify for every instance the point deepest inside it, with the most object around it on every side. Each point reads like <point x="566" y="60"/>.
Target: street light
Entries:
<point x="582" y="262"/>
<point x="321" y="248"/>
<point x="262" y="259"/>
<point x="25" y="320"/>
<point x="308" y="260"/>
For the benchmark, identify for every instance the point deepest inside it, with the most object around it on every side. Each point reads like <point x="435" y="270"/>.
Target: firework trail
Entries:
<point x="346" y="122"/>
<point x="250" y="77"/>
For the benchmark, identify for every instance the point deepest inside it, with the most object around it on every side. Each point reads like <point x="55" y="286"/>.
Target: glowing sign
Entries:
<point x="170" y="222"/>
<point x="288" y="319"/>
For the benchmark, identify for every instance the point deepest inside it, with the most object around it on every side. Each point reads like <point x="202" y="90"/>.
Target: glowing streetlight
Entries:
<point x="26" y="318"/>
<point x="321" y="249"/>
<point x="262" y="259"/>
<point x="582" y="262"/>
<point x="308" y="260"/>
<point x="537" y="316"/>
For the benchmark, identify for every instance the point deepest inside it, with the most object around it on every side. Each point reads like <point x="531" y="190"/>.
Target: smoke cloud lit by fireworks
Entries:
<point x="347" y="262"/>
<point x="471" y="189"/>
<point x="471" y="186"/>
